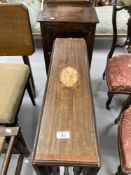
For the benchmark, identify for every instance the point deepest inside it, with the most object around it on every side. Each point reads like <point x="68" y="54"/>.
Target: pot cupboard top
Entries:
<point x="68" y="13"/>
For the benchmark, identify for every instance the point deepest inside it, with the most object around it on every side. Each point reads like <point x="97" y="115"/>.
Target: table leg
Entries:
<point x="90" y="170"/>
<point x="77" y="170"/>
<point x="46" y="45"/>
<point x="55" y="170"/>
<point x="42" y="170"/>
<point x="66" y="171"/>
<point x="90" y="42"/>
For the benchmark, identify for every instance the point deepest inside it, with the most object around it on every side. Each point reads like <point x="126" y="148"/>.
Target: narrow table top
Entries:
<point x="67" y="133"/>
<point x="74" y="13"/>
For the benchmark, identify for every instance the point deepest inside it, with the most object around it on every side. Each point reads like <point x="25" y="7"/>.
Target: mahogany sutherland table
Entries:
<point x="66" y="135"/>
<point x="67" y="20"/>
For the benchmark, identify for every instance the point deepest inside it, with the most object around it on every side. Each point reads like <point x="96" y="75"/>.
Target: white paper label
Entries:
<point x="8" y="130"/>
<point x="52" y="17"/>
<point x="63" y="134"/>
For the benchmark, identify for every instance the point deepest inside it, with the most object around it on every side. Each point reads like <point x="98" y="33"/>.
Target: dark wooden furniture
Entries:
<point x="119" y="68"/>
<point x="66" y="134"/>
<point x="9" y="135"/>
<point x="67" y="20"/>
<point x="15" y="40"/>
<point x="16" y="35"/>
<point x="114" y="22"/>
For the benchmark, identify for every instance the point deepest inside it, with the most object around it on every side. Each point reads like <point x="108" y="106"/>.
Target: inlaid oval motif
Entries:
<point x="69" y="76"/>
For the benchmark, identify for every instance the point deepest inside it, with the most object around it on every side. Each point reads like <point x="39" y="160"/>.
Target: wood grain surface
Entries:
<point x="15" y="30"/>
<point x="68" y="13"/>
<point x="68" y="109"/>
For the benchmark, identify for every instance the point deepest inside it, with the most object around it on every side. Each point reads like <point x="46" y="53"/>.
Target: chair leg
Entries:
<point x="55" y="170"/>
<point x="110" y="96"/>
<point x="119" y="172"/>
<point x="124" y="106"/>
<point x="32" y="84"/>
<point x="103" y="75"/>
<point x="77" y="170"/>
<point x="21" y="146"/>
<point x="19" y="164"/>
<point x="118" y="118"/>
<point x="66" y="170"/>
<point x="30" y="93"/>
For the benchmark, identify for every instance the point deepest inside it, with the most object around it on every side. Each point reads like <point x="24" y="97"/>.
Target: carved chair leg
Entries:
<point x="77" y="170"/>
<point x="103" y="75"/>
<point x="117" y="119"/>
<point x="110" y="96"/>
<point x="114" y="41"/>
<point x="119" y="172"/>
<point x="124" y="106"/>
<point x="114" y="25"/>
<point x="30" y="93"/>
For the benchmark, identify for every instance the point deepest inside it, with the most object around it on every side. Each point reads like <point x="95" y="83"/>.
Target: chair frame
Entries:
<point x="30" y="50"/>
<point x="12" y="133"/>
<point x="115" y="44"/>
<point x="21" y="146"/>
<point x="126" y="104"/>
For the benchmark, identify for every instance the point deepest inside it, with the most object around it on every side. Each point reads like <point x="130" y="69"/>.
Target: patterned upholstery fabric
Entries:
<point x="118" y="73"/>
<point x="13" y="78"/>
<point x="125" y="140"/>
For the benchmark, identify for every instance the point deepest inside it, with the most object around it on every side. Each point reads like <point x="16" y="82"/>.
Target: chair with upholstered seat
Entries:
<point x="118" y="76"/>
<point x="124" y="139"/>
<point x="14" y="78"/>
<point x="118" y="68"/>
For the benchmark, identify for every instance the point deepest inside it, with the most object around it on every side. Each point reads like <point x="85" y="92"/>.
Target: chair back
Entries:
<point x="15" y="31"/>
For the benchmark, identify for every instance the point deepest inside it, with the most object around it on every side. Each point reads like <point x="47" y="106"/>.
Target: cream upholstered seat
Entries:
<point x="13" y="78"/>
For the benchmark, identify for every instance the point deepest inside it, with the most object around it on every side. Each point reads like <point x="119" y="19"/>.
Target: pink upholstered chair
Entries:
<point x="124" y="140"/>
<point x="118" y="76"/>
<point x="118" y="68"/>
